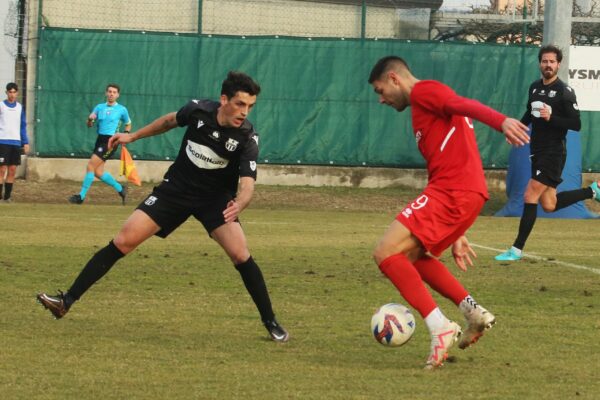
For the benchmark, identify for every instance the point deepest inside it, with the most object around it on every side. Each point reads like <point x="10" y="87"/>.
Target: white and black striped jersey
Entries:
<point x="560" y="98"/>
<point x="211" y="157"/>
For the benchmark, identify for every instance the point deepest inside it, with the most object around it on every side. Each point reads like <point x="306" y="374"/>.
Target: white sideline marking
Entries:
<point x="538" y="258"/>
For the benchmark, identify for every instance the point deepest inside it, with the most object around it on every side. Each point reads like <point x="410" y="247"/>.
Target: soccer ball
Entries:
<point x="393" y="325"/>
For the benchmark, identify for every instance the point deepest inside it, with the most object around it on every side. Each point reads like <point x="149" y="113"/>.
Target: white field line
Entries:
<point x="544" y="259"/>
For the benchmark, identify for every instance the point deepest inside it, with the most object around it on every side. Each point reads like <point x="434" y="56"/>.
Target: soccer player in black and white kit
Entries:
<point x="552" y="110"/>
<point x="218" y="151"/>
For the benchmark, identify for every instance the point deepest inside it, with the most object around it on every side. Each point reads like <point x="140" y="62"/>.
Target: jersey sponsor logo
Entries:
<point x="542" y="92"/>
<point x="215" y="135"/>
<point x="150" y="200"/>
<point x="552" y="93"/>
<point x="203" y="157"/>
<point x="253" y="165"/>
<point x="200" y="124"/>
<point x="231" y="144"/>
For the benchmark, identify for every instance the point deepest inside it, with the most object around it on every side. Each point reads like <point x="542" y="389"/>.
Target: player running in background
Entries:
<point x="13" y="137"/>
<point x="439" y="217"/>
<point x="551" y="110"/>
<point x="218" y="151"/>
<point x="109" y="116"/>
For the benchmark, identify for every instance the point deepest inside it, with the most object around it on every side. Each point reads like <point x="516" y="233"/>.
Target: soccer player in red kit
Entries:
<point x="439" y="217"/>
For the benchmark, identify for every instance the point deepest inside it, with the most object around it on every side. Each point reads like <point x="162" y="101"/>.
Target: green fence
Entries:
<point x="315" y="108"/>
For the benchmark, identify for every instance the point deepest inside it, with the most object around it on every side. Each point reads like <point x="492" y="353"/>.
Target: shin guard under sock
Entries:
<point x="526" y="225"/>
<point x="95" y="269"/>
<point x="111" y="181"/>
<point x="87" y="184"/>
<point x="7" y="190"/>
<point x="407" y="280"/>
<point x="439" y="278"/>
<point x="565" y="199"/>
<point x="257" y="288"/>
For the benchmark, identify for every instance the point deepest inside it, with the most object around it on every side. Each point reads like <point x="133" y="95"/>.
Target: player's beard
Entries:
<point x="549" y="73"/>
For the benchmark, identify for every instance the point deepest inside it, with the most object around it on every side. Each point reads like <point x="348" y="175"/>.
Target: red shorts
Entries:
<point x="438" y="218"/>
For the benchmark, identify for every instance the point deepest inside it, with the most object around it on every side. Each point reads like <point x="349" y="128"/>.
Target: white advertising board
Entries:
<point x="584" y="76"/>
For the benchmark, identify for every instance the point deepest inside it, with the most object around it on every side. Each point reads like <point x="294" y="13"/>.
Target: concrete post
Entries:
<point x="557" y="30"/>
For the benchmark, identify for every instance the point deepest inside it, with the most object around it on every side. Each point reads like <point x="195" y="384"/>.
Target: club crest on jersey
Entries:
<point x="231" y="144"/>
<point x="552" y="93"/>
<point x="150" y="200"/>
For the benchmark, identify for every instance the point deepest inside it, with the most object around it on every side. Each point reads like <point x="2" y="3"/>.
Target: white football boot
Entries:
<point x="479" y="320"/>
<point x="441" y="341"/>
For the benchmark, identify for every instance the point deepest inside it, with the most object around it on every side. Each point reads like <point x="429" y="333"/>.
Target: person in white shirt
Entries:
<point x="13" y="139"/>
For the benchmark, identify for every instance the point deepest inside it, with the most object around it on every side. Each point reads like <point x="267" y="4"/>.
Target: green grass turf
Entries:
<point x="173" y="321"/>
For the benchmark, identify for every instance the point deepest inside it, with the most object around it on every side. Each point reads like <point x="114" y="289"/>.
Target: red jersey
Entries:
<point x="444" y="133"/>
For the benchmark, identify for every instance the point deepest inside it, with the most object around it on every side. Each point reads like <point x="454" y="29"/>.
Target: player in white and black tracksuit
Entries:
<point x="552" y="111"/>
<point x="218" y="151"/>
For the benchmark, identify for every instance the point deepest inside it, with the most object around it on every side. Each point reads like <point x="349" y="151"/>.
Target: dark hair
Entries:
<point x="384" y="65"/>
<point x="239" y="82"/>
<point x="550" y="48"/>
<point x="11" y="86"/>
<point x="113" y="85"/>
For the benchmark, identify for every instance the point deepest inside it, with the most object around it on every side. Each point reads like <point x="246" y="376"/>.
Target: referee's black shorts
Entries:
<point x="547" y="167"/>
<point x="101" y="147"/>
<point x="169" y="211"/>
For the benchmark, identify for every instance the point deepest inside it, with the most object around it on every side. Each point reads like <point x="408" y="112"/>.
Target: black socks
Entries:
<point x="7" y="190"/>
<point x="95" y="269"/>
<point x="565" y="199"/>
<point x="526" y="225"/>
<point x="255" y="284"/>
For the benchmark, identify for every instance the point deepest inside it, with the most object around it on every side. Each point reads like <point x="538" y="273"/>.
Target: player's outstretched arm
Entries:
<point x="515" y="132"/>
<point x="158" y="126"/>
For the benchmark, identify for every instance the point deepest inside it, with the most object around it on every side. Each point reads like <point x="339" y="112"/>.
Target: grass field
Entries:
<point x="173" y="321"/>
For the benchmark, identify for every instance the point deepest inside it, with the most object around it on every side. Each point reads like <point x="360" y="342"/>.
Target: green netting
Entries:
<point x="315" y="108"/>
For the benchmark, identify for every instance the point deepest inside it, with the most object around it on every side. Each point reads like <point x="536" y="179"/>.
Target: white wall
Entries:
<point x="7" y="61"/>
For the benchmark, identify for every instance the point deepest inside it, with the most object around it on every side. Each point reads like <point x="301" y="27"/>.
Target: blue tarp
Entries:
<point x="519" y="173"/>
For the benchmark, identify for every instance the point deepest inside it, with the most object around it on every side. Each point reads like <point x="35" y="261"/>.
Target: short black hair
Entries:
<point x="11" y="86"/>
<point x="113" y="85"/>
<point x="550" y="48"/>
<point x="239" y="82"/>
<point x="384" y="65"/>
